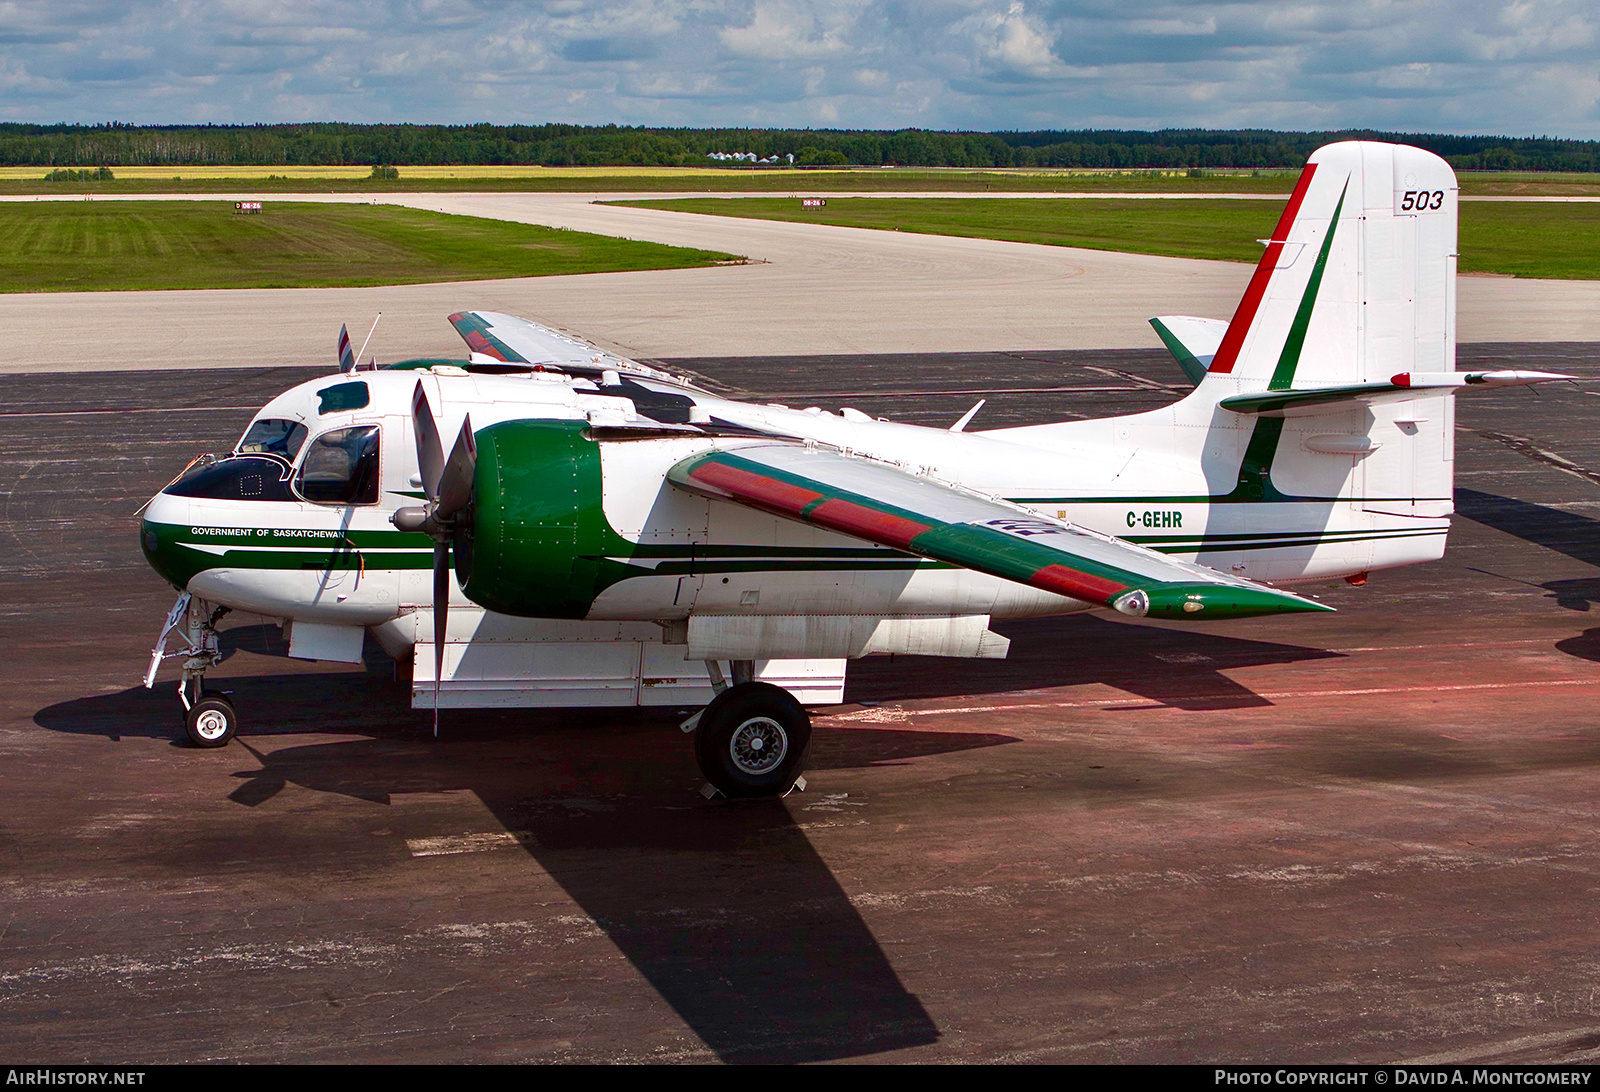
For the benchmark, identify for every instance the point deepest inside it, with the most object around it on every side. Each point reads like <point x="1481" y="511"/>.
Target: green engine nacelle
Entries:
<point x="536" y="544"/>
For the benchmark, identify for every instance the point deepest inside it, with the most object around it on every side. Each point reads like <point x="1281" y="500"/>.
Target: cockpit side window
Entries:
<point x="341" y="467"/>
<point x="270" y="437"/>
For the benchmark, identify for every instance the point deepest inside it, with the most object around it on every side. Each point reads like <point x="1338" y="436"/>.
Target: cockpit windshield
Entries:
<point x="270" y="437"/>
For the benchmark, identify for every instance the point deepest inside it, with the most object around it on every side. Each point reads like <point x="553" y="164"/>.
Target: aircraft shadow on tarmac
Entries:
<point x="1564" y="532"/>
<point x="727" y="910"/>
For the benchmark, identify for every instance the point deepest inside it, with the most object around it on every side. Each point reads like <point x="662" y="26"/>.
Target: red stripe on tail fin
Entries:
<point x="1233" y="340"/>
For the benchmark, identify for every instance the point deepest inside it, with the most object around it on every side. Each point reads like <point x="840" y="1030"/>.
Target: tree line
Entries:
<point x="338" y="144"/>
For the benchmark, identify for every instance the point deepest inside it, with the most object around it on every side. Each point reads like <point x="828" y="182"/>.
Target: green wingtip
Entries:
<point x="1199" y="602"/>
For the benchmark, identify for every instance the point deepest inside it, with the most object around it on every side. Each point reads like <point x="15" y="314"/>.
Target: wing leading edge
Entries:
<point x="892" y="508"/>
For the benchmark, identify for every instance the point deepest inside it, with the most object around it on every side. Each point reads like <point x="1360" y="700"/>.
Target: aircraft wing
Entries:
<point x="882" y="504"/>
<point x="518" y="341"/>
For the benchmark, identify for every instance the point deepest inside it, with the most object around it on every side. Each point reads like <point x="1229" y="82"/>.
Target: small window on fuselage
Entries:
<point x="341" y="467"/>
<point x="270" y="437"/>
<point x="344" y="396"/>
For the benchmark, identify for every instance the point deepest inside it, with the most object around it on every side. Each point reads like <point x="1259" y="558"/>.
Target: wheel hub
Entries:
<point x="211" y="724"/>
<point x="758" y="745"/>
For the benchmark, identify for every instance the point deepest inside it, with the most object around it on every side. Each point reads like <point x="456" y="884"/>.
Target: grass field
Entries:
<point x="245" y="181"/>
<point x="63" y="246"/>
<point x="1557" y="240"/>
<point x="514" y="178"/>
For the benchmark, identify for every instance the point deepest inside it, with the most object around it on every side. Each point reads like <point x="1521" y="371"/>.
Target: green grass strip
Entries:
<point x="620" y="180"/>
<point x="1559" y="240"/>
<point x="61" y="246"/>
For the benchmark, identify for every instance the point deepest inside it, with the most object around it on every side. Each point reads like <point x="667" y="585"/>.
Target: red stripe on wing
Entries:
<point x="867" y="523"/>
<point x="1233" y="339"/>
<point x="1070" y="582"/>
<point x="480" y="344"/>
<point x="758" y="489"/>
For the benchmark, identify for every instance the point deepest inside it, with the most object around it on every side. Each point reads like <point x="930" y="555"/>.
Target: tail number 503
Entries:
<point x="1421" y="200"/>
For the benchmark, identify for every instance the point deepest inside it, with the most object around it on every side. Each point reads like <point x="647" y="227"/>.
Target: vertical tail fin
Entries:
<point x="1358" y="280"/>
<point x="1357" y="285"/>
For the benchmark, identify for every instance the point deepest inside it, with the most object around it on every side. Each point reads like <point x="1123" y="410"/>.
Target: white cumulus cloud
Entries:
<point x="1520" y="67"/>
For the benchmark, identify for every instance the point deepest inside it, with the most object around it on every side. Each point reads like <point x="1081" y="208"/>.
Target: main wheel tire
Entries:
<point x="752" y="740"/>
<point x="212" y="721"/>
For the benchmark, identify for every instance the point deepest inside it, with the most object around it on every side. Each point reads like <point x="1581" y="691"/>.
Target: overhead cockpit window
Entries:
<point x="341" y="467"/>
<point x="343" y="396"/>
<point x="268" y="437"/>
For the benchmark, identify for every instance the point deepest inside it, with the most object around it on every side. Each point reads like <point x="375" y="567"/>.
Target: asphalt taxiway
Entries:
<point x="1366" y="836"/>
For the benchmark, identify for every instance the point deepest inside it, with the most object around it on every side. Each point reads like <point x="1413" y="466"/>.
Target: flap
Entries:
<point x="883" y="504"/>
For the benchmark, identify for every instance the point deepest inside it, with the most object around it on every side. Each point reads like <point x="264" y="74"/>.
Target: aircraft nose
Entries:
<point x="161" y="529"/>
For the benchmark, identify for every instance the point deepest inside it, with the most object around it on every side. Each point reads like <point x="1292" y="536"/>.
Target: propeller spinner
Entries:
<point x="447" y="485"/>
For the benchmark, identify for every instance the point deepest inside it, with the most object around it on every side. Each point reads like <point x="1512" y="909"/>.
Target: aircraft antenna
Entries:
<point x="363" y="351"/>
<point x="966" y="418"/>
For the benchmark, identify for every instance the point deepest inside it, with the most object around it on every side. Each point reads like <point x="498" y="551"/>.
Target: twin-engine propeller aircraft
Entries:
<point x="604" y="533"/>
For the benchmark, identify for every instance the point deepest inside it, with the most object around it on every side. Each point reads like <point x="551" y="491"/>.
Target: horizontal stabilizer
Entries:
<point x="879" y="503"/>
<point x="1191" y="341"/>
<point x="1295" y="403"/>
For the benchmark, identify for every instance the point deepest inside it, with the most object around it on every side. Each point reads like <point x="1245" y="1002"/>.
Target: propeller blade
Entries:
<point x="455" y="485"/>
<point x="430" y="451"/>
<point x="441" y="618"/>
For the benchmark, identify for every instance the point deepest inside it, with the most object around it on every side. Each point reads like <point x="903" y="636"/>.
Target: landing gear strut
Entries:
<point x="751" y="741"/>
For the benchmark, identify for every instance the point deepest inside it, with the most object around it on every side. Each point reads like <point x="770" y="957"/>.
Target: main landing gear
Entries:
<point x="751" y="741"/>
<point x="209" y="719"/>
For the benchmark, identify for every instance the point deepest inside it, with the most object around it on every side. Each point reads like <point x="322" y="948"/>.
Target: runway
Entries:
<point x="813" y="289"/>
<point x="1368" y="836"/>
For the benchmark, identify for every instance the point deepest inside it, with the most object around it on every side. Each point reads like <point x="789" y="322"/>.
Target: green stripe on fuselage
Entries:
<point x="179" y="555"/>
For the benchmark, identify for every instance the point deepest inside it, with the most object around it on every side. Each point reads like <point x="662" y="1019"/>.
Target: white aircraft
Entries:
<point x="604" y="533"/>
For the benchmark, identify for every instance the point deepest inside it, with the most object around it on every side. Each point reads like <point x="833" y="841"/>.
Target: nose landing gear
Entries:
<point x="209" y="717"/>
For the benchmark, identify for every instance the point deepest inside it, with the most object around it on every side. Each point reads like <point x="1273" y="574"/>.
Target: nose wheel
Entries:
<point x="212" y="721"/>
<point x="752" y="740"/>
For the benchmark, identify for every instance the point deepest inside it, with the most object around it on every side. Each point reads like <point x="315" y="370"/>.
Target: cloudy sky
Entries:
<point x="1519" y="67"/>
